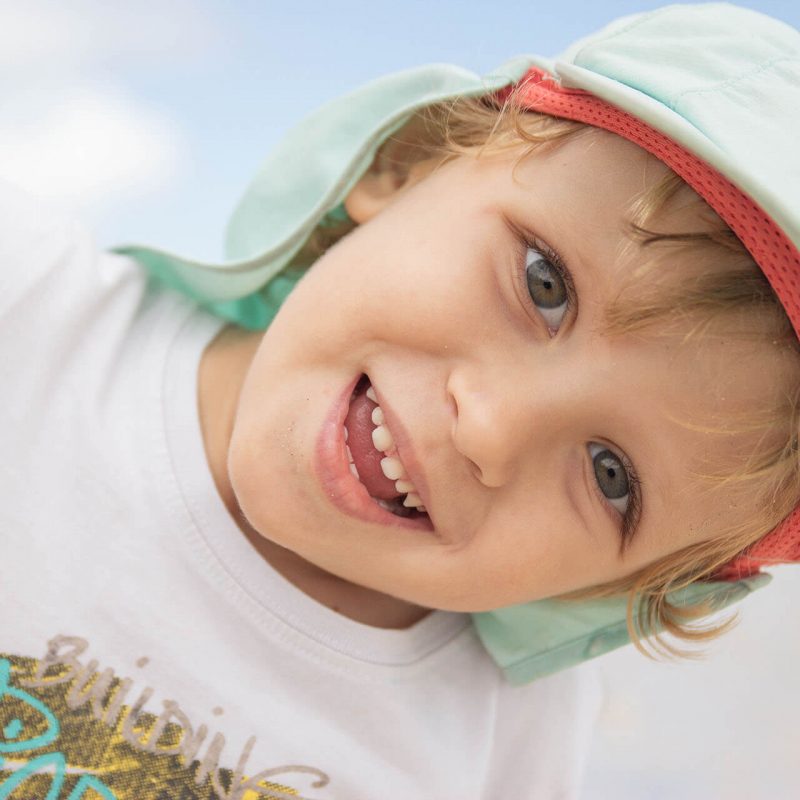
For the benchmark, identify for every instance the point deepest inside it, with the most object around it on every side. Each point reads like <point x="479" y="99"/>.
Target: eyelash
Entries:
<point x="632" y="513"/>
<point x="630" y="518"/>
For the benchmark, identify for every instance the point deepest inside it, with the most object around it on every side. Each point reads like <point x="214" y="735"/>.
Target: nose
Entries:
<point x="499" y="417"/>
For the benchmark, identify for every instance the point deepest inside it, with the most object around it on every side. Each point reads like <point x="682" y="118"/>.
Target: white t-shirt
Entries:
<point x="146" y="650"/>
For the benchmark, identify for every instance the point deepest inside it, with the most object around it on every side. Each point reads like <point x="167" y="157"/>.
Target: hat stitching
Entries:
<point x="731" y="81"/>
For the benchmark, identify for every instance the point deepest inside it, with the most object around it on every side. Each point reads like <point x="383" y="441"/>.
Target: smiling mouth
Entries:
<point x="373" y="456"/>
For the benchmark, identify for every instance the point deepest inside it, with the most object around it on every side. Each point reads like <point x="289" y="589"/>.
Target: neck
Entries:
<point x="223" y="368"/>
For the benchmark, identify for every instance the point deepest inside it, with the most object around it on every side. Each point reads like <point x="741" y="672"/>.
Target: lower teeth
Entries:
<point x="396" y="507"/>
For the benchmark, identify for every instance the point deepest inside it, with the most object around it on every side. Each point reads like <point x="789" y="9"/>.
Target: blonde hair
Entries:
<point x="769" y="478"/>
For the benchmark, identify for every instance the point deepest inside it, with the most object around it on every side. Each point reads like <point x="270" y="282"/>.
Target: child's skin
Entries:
<point x="491" y="409"/>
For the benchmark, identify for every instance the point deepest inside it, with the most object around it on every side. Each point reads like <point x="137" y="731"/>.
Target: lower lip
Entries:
<point x="339" y="485"/>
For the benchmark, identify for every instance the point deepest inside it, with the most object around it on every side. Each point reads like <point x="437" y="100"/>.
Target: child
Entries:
<point x="535" y="375"/>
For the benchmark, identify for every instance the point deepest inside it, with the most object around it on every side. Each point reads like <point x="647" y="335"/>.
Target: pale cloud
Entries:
<point x="96" y="145"/>
<point x="70" y="130"/>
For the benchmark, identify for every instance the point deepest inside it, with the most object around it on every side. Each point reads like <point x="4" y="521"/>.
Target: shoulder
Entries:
<point x="33" y="237"/>
<point x="47" y="259"/>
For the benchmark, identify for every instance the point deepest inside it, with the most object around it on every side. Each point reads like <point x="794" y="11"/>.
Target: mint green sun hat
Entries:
<point x="720" y="81"/>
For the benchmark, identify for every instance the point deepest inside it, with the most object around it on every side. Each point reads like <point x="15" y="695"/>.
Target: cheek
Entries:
<point x="249" y="471"/>
<point x="424" y="266"/>
<point x="270" y="430"/>
<point x="527" y="553"/>
<point x="268" y="491"/>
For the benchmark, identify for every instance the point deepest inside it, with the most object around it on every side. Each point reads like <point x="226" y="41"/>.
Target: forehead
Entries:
<point x="594" y="175"/>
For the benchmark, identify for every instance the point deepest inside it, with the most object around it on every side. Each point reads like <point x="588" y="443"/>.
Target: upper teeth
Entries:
<point x="391" y="466"/>
<point x="382" y="439"/>
<point x="413" y="499"/>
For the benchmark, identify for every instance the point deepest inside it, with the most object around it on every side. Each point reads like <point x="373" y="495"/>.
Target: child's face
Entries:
<point x="497" y="407"/>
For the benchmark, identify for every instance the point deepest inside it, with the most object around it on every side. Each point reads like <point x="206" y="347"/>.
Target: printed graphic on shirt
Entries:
<point x="69" y="731"/>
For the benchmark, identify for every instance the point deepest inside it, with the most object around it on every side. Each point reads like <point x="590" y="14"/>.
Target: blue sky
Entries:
<point x="146" y="119"/>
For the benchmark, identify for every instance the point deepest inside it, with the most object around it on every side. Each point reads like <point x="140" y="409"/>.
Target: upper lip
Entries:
<point x="405" y="450"/>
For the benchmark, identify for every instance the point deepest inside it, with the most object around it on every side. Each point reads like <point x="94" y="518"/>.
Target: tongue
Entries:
<point x="367" y="459"/>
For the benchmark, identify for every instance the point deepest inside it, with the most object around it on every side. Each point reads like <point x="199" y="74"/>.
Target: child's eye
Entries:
<point x="547" y="286"/>
<point x="611" y="475"/>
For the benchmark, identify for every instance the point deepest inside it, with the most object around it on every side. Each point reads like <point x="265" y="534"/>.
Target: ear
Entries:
<point x="392" y="171"/>
<point x="373" y="192"/>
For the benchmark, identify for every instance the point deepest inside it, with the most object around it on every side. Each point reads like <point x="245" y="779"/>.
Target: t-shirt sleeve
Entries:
<point x="542" y="736"/>
<point x="34" y="241"/>
<point x="56" y="286"/>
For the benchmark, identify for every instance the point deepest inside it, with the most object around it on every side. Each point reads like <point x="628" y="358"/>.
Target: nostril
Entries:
<point x="453" y="407"/>
<point x="451" y="401"/>
<point x="476" y="470"/>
